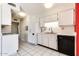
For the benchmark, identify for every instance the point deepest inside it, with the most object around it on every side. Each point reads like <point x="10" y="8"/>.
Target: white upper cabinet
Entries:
<point x="6" y="14"/>
<point x="66" y="17"/>
<point x="49" y="40"/>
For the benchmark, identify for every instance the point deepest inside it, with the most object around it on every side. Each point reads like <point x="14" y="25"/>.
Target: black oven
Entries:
<point x="66" y="44"/>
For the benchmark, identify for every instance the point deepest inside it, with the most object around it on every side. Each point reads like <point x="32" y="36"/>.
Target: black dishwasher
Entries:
<point x="66" y="44"/>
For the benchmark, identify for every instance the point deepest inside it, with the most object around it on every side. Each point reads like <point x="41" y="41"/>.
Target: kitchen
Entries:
<point x="47" y="28"/>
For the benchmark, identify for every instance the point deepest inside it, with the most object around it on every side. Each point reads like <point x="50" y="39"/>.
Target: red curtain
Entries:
<point x="77" y="28"/>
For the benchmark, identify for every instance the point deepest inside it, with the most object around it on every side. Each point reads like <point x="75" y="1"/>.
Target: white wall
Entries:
<point x="23" y="32"/>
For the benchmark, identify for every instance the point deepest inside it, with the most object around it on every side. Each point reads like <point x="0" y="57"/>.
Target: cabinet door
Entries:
<point x="6" y="14"/>
<point x="66" y="17"/>
<point x="40" y="39"/>
<point x="45" y="40"/>
<point x="53" y="41"/>
<point x="9" y="44"/>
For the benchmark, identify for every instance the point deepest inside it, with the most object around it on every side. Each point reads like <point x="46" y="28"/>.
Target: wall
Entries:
<point x="23" y="32"/>
<point x="68" y="30"/>
<point x="14" y="27"/>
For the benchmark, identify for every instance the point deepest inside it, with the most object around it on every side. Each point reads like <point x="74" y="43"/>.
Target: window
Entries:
<point x="51" y="24"/>
<point x="52" y="27"/>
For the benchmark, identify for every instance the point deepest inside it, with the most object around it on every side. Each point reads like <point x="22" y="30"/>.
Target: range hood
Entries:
<point x="17" y="12"/>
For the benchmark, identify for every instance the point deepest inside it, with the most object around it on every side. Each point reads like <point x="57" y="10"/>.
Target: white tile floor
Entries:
<point x="27" y="49"/>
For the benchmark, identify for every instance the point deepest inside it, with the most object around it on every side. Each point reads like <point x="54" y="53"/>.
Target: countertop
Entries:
<point x="47" y="33"/>
<point x="67" y="34"/>
<point x="8" y="33"/>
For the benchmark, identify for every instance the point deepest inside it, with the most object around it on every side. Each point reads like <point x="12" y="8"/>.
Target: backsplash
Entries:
<point x="68" y="29"/>
<point x="6" y="29"/>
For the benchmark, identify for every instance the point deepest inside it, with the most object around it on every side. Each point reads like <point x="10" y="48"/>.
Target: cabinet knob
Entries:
<point x="33" y="34"/>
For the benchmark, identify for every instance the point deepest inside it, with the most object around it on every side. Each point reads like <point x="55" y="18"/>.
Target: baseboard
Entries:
<point x="48" y="47"/>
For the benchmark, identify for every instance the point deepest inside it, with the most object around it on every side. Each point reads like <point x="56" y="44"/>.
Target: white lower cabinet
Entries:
<point x="40" y="41"/>
<point x="9" y="44"/>
<point x="53" y="41"/>
<point x="49" y="40"/>
<point x="45" y="40"/>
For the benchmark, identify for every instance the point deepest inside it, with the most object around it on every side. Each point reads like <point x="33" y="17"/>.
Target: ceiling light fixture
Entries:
<point x="22" y="14"/>
<point x="48" y="5"/>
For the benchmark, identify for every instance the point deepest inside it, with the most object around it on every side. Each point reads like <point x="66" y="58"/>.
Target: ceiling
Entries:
<point x="38" y="8"/>
<point x="33" y="8"/>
